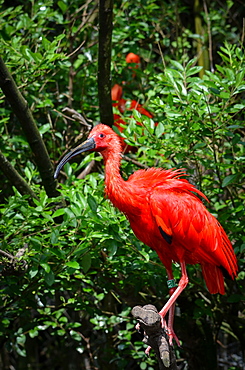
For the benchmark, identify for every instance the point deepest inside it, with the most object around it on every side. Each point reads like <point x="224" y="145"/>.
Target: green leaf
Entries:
<point x="45" y="266"/>
<point x="54" y="237"/>
<point x="225" y="95"/>
<point x="199" y="145"/>
<point x="58" y="212"/>
<point x="190" y="63"/>
<point x="92" y="203"/>
<point x="44" y="128"/>
<point x="86" y="262"/>
<point x="73" y="264"/>
<point x="62" y="6"/>
<point x="33" y="272"/>
<point x="159" y="130"/>
<point x="28" y="173"/>
<point x="215" y="91"/>
<point x="49" y="277"/>
<point x="235" y="298"/>
<point x="33" y="333"/>
<point x="177" y="65"/>
<point x="193" y="70"/>
<point x="228" y="180"/>
<point x="112" y="248"/>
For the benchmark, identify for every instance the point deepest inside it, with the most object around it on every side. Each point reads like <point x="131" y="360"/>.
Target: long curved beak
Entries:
<point x="85" y="146"/>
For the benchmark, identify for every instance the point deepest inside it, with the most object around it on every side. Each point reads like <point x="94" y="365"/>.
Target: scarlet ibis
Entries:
<point x="166" y="214"/>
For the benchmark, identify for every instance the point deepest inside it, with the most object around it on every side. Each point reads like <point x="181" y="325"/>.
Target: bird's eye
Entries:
<point x="101" y="135"/>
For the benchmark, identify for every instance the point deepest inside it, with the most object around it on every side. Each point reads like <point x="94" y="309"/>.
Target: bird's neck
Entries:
<point x="115" y="186"/>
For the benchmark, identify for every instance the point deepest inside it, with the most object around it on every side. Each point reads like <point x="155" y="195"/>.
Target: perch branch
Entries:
<point x="155" y="336"/>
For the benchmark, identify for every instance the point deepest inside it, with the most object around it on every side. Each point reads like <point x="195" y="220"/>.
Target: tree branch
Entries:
<point x="15" y="266"/>
<point x="14" y="177"/>
<point x="104" y="61"/>
<point x="24" y="115"/>
<point x="155" y="336"/>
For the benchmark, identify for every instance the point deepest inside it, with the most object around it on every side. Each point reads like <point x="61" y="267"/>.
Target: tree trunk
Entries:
<point x="104" y="61"/>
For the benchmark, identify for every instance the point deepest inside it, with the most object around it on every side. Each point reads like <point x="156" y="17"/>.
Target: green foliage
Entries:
<point x="79" y="269"/>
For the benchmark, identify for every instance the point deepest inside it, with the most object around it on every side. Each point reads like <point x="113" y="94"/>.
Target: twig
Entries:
<point x="87" y="170"/>
<point x="7" y="255"/>
<point x="155" y="336"/>
<point x="76" y="50"/>
<point x="141" y="165"/>
<point x="76" y="117"/>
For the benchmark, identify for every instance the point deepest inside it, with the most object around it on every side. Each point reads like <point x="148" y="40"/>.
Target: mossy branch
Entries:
<point x="23" y="113"/>
<point x="14" y="177"/>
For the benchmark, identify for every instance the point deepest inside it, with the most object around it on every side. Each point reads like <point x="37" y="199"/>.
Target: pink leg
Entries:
<point x="170" y="305"/>
<point x="169" y="327"/>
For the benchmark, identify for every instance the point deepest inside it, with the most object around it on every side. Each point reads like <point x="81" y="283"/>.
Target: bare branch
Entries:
<point x="75" y="116"/>
<point x="128" y="159"/>
<point x="87" y="170"/>
<point x="15" y="266"/>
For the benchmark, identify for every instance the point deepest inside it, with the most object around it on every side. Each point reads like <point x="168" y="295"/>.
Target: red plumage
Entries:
<point x="133" y="58"/>
<point x="156" y="198"/>
<point x="166" y="214"/>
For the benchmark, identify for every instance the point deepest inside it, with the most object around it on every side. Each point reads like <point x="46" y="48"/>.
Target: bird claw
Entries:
<point x="137" y="327"/>
<point x="172" y="335"/>
<point x="147" y="351"/>
<point x="169" y="330"/>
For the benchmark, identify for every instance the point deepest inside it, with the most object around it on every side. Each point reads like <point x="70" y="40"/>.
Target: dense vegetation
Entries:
<point x="71" y="268"/>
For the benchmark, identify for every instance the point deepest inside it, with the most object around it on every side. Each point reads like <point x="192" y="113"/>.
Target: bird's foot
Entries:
<point x="137" y="326"/>
<point x="147" y="351"/>
<point x="169" y="330"/>
<point x="172" y="335"/>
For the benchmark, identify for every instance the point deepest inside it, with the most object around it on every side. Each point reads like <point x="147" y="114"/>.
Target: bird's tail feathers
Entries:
<point x="214" y="278"/>
<point x="231" y="261"/>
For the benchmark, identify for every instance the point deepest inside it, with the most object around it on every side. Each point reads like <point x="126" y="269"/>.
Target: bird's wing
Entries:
<point x="188" y="227"/>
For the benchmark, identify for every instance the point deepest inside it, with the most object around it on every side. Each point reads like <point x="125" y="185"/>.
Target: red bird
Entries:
<point x="122" y="106"/>
<point x="165" y="213"/>
<point x="133" y="58"/>
<point x="120" y="103"/>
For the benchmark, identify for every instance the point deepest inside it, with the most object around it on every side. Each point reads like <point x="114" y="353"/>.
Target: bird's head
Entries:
<point x="101" y="139"/>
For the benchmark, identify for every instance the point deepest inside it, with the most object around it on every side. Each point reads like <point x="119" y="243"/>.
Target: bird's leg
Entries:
<point x="170" y="305"/>
<point x="169" y="328"/>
